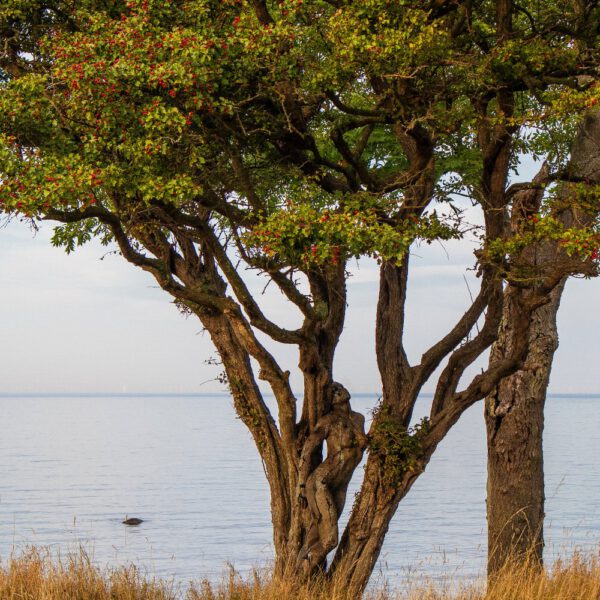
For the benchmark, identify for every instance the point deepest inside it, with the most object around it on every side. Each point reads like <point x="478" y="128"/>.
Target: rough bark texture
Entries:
<point x="515" y="421"/>
<point x="514" y="412"/>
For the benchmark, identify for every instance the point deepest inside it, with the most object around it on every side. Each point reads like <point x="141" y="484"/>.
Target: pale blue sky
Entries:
<point x="81" y="324"/>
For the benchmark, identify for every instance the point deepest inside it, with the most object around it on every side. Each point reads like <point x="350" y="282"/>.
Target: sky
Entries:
<point x="90" y="322"/>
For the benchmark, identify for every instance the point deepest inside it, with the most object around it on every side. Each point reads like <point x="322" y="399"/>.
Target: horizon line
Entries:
<point x="95" y="394"/>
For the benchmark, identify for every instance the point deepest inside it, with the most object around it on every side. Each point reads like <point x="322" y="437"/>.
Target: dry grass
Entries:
<point x="35" y="575"/>
<point x="576" y="579"/>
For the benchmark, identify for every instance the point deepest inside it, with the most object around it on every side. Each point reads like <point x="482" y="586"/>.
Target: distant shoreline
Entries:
<point x="223" y="394"/>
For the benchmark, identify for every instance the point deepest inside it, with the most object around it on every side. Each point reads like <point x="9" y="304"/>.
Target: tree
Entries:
<point x="290" y="137"/>
<point x="515" y="409"/>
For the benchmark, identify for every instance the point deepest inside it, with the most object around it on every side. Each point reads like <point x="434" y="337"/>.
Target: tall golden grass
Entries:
<point x="36" y="575"/>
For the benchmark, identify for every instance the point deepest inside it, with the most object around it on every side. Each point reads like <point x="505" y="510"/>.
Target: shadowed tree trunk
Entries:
<point x="514" y="412"/>
<point x="515" y="422"/>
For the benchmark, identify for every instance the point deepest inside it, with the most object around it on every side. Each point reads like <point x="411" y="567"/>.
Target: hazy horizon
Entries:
<point x="225" y="394"/>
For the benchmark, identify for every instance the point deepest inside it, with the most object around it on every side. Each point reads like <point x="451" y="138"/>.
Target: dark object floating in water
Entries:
<point x="132" y="521"/>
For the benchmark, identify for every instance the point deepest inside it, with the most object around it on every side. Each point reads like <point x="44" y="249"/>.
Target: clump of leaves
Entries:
<point x="397" y="446"/>
<point x="308" y="234"/>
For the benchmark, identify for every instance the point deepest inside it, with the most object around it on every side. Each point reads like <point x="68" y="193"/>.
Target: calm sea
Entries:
<point x="73" y="467"/>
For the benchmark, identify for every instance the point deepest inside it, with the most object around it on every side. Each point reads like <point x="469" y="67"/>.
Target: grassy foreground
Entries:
<point x="34" y="575"/>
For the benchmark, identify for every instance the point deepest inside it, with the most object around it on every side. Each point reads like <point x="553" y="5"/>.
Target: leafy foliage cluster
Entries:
<point x="309" y="234"/>
<point x="397" y="447"/>
<point x="143" y="102"/>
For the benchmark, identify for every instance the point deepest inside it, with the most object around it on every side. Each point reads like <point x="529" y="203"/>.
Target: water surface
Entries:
<point x="73" y="467"/>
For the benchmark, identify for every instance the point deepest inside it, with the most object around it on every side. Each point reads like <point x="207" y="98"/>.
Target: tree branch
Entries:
<point x="270" y="371"/>
<point x="462" y="358"/>
<point x="432" y="358"/>
<point x="262" y="12"/>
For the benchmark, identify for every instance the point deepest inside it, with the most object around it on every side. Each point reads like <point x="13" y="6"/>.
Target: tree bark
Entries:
<point x="514" y="416"/>
<point x="514" y="412"/>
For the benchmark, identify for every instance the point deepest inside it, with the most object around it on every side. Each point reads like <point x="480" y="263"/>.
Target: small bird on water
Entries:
<point x="132" y="521"/>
